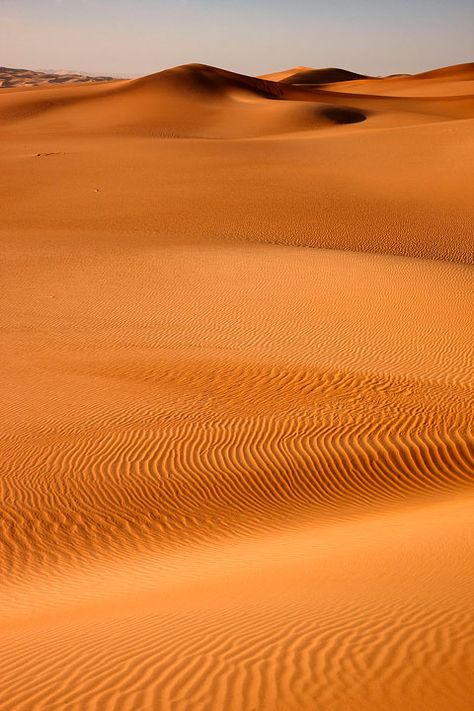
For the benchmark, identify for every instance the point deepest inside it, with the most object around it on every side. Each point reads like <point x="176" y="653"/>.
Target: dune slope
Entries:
<point x="237" y="448"/>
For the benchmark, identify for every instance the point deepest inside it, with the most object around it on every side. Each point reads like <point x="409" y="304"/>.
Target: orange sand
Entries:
<point x="236" y="432"/>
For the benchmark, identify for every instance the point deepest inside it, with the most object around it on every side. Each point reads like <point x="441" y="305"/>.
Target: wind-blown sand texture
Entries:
<point x="237" y="446"/>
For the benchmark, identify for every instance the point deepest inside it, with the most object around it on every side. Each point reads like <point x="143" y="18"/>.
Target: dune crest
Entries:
<point x="322" y="76"/>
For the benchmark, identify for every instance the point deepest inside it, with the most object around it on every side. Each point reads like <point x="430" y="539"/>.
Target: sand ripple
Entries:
<point x="236" y="431"/>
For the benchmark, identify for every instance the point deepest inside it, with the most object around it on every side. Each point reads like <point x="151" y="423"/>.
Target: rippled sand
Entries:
<point x="236" y="432"/>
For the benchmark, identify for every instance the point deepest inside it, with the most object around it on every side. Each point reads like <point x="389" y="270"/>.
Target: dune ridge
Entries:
<point x="321" y="76"/>
<point x="159" y="97"/>
<point x="237" y="447"/>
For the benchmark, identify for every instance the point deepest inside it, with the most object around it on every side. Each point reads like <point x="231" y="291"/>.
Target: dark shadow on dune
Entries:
<point x="341" y="114"/>
<point x="330" y="75"/>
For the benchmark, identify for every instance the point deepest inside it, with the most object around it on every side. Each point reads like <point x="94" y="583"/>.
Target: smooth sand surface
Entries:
<point x="236" y="431"/>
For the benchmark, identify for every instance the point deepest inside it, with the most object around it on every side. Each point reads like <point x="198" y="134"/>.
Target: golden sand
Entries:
<point x="236" y="432"/>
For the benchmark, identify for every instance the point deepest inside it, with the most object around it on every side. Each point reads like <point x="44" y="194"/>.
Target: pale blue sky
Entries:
<point x="133" y="37"/>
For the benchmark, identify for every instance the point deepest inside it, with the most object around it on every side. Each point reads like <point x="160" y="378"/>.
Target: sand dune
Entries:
<point x="446" y="83"/>
<point x="338" y="186"/>
<point x="204" y="102"/>
<point x="455" y="71"/>
<point x="308" y="75"/>
<point x="10" y="77"/>
<point x="222" y="103"/>
<point x="236" y="433"/>
<point x="321" y="76"/>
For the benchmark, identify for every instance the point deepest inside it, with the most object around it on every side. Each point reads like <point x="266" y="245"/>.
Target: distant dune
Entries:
<point x="237" y="456"/>
<point x="456" y="71"/>
<point x="28" y="77"/>
<point x="321" y="76"/>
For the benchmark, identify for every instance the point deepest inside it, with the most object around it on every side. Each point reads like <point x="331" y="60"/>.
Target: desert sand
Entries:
<point x="10" y="77"/>
<point x="238" y="370"/>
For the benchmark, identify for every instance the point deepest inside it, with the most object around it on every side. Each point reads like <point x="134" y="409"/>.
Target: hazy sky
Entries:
<point x="142" y="36"/>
